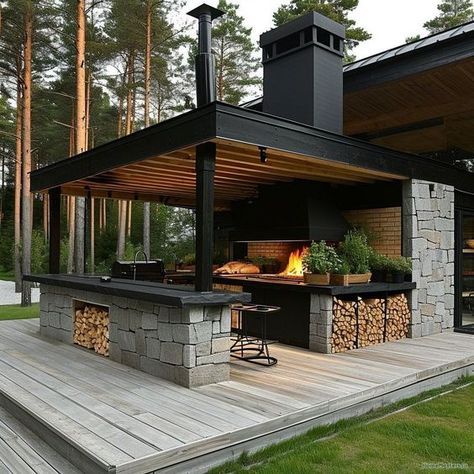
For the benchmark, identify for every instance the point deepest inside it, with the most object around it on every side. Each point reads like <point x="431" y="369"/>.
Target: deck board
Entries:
<point x="21" y="451"/>
<point x="133" y="421"/>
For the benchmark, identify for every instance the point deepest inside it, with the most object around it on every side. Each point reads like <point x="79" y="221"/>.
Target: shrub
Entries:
<point x="355" y="251"/>
<point x="320" y="258"/>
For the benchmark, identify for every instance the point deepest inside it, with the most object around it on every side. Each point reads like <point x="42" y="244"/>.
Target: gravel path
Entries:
<point x="8" y="295"/>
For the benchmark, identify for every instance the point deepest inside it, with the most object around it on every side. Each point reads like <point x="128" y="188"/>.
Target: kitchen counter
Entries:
<point x="249" y="281"/>
<point x="177" y="296"/>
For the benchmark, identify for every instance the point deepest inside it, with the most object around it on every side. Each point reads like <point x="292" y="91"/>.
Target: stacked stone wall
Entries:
<point x="428" y="238"/>
<point x="189" y="346"/>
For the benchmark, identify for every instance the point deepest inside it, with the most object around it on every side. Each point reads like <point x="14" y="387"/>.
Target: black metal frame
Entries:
<point x="223" y="121"/>
<point x="460" y="215"/>
<point x="257" y="346"/>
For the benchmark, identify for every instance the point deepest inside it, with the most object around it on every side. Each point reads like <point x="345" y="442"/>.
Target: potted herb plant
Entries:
<point x="379" y="265"/>
<point x="318" y="262"/>
<point x="399" y="268"/>
<point x="354" y="253"/>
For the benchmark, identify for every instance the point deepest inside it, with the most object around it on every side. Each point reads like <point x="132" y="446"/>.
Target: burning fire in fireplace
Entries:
<point x="294" y="268"/>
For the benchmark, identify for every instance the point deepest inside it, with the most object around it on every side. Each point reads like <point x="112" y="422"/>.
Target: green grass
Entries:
<point x="8" y="276"/>
<point x="19" y="312"/>
<point x="436" y="435"/>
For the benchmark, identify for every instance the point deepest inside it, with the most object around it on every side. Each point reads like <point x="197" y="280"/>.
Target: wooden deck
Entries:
<point x="108" y="417"/>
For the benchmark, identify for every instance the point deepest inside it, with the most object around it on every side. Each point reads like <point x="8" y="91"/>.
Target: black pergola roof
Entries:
<point x="238" y="132"/>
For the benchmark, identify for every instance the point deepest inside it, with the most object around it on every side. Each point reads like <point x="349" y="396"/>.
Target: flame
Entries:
<point x="295" y="263"/>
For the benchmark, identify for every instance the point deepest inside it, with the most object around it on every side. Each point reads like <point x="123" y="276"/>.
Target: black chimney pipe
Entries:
<point x="205" y="70"/>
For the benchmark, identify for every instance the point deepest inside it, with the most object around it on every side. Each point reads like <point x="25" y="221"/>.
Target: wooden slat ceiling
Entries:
<point x="445" y="93"/>
<point x="239" y="173"/>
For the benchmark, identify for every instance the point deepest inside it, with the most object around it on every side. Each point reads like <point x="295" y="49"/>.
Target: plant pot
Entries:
<point x="315" y="279"/>
<point x="397" y="277"/>
<point x="379" y="276"/>
<point x="408" y="277"/>
<point x="345" y="280"/>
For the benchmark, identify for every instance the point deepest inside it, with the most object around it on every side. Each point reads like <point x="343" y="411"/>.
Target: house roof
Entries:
<point x="414" y="46"/>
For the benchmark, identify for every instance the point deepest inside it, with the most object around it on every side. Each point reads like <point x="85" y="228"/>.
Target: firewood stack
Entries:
<point x="398" y="317"/>
<point x="91" y="329"/>
<point x="349" y="334"/>
<point x="371" y="321"/>
<point x="344" y="330"/>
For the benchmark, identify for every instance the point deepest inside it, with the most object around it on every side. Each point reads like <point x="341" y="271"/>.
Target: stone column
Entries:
<point x="320" y="323"/>
<point x="428" y="238"/>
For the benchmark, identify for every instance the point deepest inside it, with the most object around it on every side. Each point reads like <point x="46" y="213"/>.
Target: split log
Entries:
<point x="91" y="329"/>
<point x="351" y="330"/>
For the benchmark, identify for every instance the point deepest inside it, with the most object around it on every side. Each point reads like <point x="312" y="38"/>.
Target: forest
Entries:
<point x="75" y="74"/>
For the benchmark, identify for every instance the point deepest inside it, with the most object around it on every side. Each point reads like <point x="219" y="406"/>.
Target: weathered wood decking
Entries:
<point x="109" y="417"/>
<point x="21" y="451"/>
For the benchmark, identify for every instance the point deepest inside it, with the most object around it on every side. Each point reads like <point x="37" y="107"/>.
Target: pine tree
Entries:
<point x="452" y="13"/>
<point x="236" y="55"/>
<point x="337" y="10"/>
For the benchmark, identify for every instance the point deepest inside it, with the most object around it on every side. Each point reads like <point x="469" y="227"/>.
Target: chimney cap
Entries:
<point x="203" y="9"/>
<point x="300" y="23"/>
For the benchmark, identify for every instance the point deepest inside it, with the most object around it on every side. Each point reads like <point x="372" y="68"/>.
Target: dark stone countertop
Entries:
<point x="298" y="286"/>
<point x="159" y="293"/>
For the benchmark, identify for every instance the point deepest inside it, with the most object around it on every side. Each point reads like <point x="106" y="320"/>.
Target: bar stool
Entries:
<point x="257" y="346"/>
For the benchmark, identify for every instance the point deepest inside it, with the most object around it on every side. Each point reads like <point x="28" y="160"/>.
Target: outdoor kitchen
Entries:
<point x="330" y="243"/>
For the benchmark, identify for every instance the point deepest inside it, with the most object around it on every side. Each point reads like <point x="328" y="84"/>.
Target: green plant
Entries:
<point x="378" y="261"/>
<point x="400" y="264"/>
<point x="356" y="251"/>
<point x="320" y="258"/>
<point x="342" y="268"/>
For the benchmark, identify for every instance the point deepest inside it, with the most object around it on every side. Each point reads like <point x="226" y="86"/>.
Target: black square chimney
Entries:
<point x="302" y="71"/>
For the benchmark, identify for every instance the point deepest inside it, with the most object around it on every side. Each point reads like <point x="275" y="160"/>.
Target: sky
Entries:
<point x="389" y="21"/>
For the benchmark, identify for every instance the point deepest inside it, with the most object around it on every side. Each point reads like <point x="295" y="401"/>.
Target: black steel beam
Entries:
<point x="188" y="129"/>
<point x="248" y="126"/>
<point x="54" y="230"/>
<point x="205" y="169"/>
<point x="219" y="120"/>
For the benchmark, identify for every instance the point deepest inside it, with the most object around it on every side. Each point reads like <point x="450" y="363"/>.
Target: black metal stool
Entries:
<point x="258" y="346"/>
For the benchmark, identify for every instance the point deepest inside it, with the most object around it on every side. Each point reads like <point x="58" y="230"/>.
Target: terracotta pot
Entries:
<point x="345" y="280"/>
<point x="315" y="279"/>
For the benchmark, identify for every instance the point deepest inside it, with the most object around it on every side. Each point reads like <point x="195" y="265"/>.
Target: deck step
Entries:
<point x="29" y="444"/>
<point x="23" y="451"/>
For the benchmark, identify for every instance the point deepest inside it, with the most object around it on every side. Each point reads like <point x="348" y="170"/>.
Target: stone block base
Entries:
<point x="189" y="346"/>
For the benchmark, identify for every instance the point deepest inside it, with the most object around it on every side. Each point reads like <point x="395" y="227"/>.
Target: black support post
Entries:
<point x="54" y="229"/>
<point x="205" y="168"/>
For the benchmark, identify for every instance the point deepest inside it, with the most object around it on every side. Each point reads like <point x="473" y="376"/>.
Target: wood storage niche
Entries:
<point x="91" y="327"/>
<point x="365" y="322"/>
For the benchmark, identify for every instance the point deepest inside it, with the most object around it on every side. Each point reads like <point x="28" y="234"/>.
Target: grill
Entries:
<point x="152" y="270"/>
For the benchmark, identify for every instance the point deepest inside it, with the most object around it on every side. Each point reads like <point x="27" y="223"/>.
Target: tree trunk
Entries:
<point x="81" y="144"/>
<point x="146" y="205"/>
<point x="122" y="209"/>
<point x="26" y="153"/>
<point x="18" y="166"/>
<point x="122" y="224"/>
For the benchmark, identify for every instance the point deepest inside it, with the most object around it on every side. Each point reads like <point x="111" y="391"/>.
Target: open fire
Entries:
<point x="294" y="268"/>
